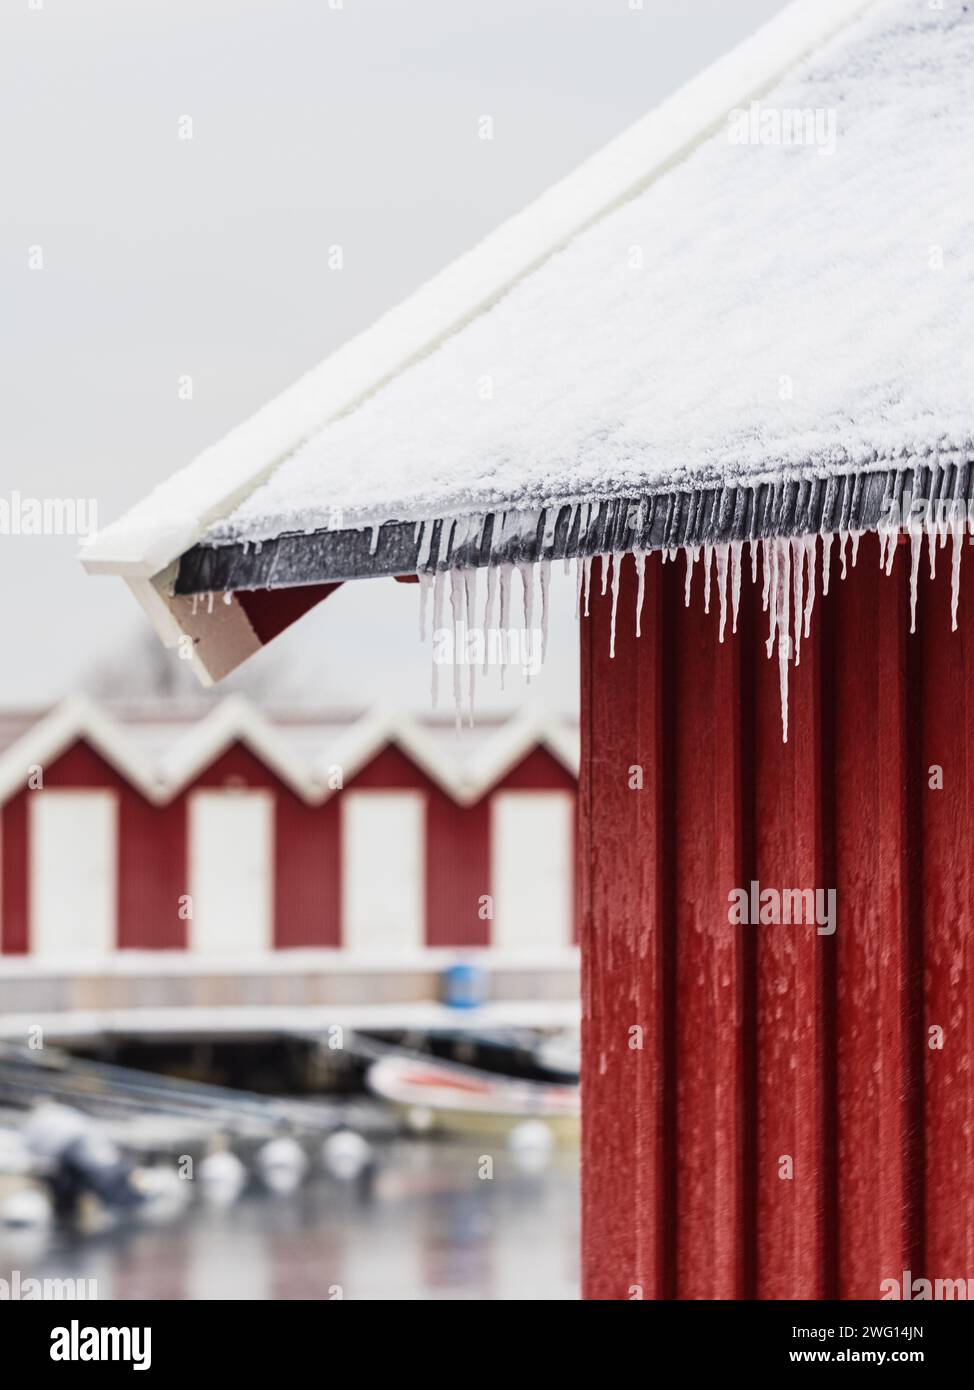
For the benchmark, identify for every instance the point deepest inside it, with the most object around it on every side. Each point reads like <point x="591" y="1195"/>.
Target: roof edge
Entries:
<point x="859" y="500"/>
<point x="173" y="518"/>
<point x="238" y="721"/>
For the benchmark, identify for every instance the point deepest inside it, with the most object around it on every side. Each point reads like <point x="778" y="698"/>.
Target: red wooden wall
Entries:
<point x="760" y="1042"/>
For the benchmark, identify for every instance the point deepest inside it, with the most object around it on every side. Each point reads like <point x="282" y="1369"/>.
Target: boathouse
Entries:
<point x="717" y="355"/>
<point x="237" y="872"/>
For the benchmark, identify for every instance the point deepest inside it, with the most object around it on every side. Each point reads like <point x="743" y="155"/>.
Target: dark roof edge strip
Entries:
<point x="846" y="502"/>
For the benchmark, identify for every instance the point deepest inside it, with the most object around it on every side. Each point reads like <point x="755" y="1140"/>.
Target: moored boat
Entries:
<point x="432" y="1094"/>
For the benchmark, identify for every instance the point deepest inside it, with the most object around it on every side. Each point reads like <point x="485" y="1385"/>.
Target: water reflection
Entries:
<point x="421" y="1224"/>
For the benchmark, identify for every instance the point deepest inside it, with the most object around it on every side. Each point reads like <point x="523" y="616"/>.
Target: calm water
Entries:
<point x="425" y="1227"/>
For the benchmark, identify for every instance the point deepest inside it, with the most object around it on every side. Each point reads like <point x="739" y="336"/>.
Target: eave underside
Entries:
<point x="853" y="501"/>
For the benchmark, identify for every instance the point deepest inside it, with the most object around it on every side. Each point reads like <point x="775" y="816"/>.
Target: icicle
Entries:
<point x="957" y="535"/>
<point x="605" y="574"/>
<point x="772" y="581"/>
<point x="932" y="548"/>
<point x="892" y="547"/>
<point x="797" y="549"/>
<point x="783" y="551"/>
<point x="425" y="539"/>
<point x="425" y="580"/>
<point x="588" y="580"/>
<point x="507" y="570"/>
<point x="616" y="562"/>
<point x="640" y="558"/>
<point x="765" y="575"/>
<point x="579" y="575"/>
<point x="545" y="572"/>
<point x="843" y="537"/>
<point x="916" y="546"/>
<point x="855" y="547"/>
<point x="826" y="562"/>
<point x="527" y="583"/>
<point x="196" y="603"/>
<point x="470" y="603"/>
<point x="374" y="542"/>
<point x="811" y="554"/>
<point x="456" y="609"/>
<point x="489" y="602"/>
<point x="526" y="575"/>
<point x="228" y="598"/>
<point x="209" y="602"/>
<point x="722" y="551"/>
<point x="736" y="549"/>
<point x="708" y="551"/>
<point x="691" y="552"/>
<point x="439" y="586"/>
<point x="752" y="545"/>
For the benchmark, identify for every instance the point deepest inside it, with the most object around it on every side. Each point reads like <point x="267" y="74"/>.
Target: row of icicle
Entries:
<point x="789" y="573"/>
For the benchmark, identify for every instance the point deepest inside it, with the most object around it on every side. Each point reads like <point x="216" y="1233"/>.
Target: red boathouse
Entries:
<point x="163" y="870"/>
<point x="739" y="335"/>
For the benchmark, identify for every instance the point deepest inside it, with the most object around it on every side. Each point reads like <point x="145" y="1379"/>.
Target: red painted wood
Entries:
<point x="270" y="611"/>
<point x="628" y="1109"/>
<point x="945" y="902"/>
<point x="707" y="861"/>
<point x="457" y="872"/>
<point x="307" y="873"/>
<point x="772" y="1044"/>
<point x="15" y="903"/>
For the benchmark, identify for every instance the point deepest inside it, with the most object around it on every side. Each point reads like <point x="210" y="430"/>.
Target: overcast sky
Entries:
<point x="165" y="257"/>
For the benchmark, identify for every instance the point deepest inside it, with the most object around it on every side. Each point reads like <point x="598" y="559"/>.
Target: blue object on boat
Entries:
<point x="464" y="986"/>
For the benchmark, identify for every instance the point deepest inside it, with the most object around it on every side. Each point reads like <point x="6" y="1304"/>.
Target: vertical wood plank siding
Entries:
<point x="769" y="1049"/>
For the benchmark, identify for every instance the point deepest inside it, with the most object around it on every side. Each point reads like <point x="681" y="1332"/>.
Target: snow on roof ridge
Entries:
<point x="154" y="533"/>
<point x="237" y="720"/>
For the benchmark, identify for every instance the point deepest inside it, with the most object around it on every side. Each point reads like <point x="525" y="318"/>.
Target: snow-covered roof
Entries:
<point x="749" y="315"/>
<point x="160" y="757"/>
<point x="763" y="311"/>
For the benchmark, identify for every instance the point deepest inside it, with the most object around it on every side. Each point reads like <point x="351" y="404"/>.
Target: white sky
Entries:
<point x="164" y="257"/>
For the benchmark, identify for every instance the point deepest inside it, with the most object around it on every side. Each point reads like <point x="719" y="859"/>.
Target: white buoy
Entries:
<point x="282" y="1164"/>
<point x="27" y="1208"/>
<point x="222" y="1177"/>
<point x="530" y="1144"/>
<point x="345" y="1153"/>
<point x="15" y="1156"/>
<point x="419" y="1119"/>
<point x="165" y="1194"/>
